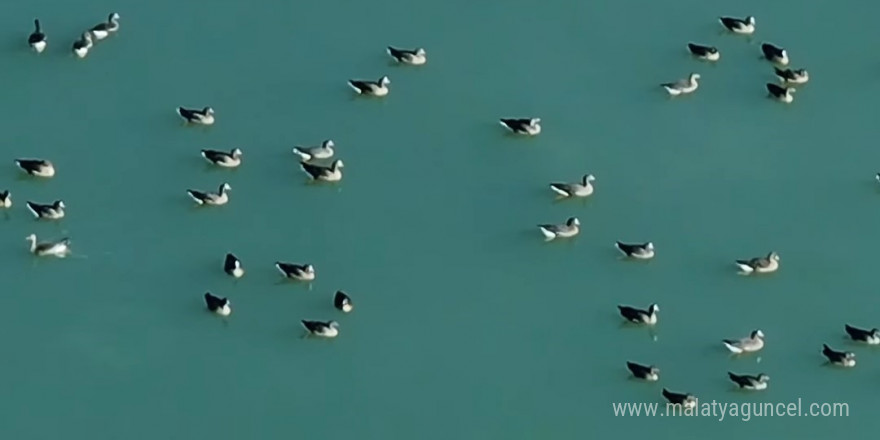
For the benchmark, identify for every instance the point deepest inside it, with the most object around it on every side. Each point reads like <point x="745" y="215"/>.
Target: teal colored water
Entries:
<point x="466" y="324"/>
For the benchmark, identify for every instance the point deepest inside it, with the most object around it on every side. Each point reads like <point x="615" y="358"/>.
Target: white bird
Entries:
<point x="526" y="126"/>
<point x="220" y="306"/>
<point x="323" y="151"/>
<point x="414" y="57"/>
<point x="767" y="264"/>
<point x="738" y="25"/>
<point x="567" y="230"/>
<point x="60" y="248"/>
<point x="584" y="188"/>
<point x="373" y="88"/>
<point x="342" y="302"/>
<point x="5" y="199"/>
<point x="232" y="266"/>
<point x="301" y="272"/>
<point x="37" y="39"/>
<point x="753" y="343"/>
<point x="103" y="30"/>
<point x="332" y="173"/>
<point x="36" y="167"/>
<point x="205" y="116"/>
<point x="684" y="86"/>
<point x="328" y="329"/>
<point x="708" y="53"/>
<point x="82" y="46"/>
<point x="223" y="159"/>
<point x="52" y="211"/>
<point x="210" y="198"/>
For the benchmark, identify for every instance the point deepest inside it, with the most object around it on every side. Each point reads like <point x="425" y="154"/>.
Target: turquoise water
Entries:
<point x="466" y="324"/>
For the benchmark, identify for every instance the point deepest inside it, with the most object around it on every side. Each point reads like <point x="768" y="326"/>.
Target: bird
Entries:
<point x="748" y="382"/>
<point x="372" y="88"/>
<point x="332" y="173"/>
<point x="708" y="53"/>
<point x="792" y="76"/>
<point x="640" y="316"/>
<point x="342" y="301"/>
<point x="683" y="86"/>
<point x="37" y="39"/>
<point x="783" y="94"/>
<point x="205" y="116"/>
<point x="841" y="358"/>
<point x="82" y="46"/>
<point x="525" y="126"/>
<point x="870" y="337"/>
<point x="584" y="188"/>
<point x="323" y="151"/>
<point x="232" y="266"/>
<point x="767" y="264"/>
<point x="414" y="57"/>
<point x="231" y="159"/>
<point x="754" y="342"/>
<point x="571" y="228"/>
<point x="646" y="372"/>
<point x="774" y="54"/>
<point x="60" y="248"/>
<point x="36" y="167"/>
<point x="103" y="30"/>
<point x="301" y="272"/>
<point x="52" y="211"/>
<point x="686" y="400"/>
<point x="220" y="306"/>
<point x="737" y="25"/>
<point x="210" y="198"/>
<point x="643" y="251"/>
<point x="328" y="329"/>
<point x="5" y="199"/>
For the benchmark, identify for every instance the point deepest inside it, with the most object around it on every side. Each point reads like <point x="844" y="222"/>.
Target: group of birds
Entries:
<point x="38" y="41"/>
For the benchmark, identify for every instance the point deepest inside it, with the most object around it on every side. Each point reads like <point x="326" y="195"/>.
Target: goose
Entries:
<point x="571" y="228"/>
<point x="342" y="302"/>
<point x="738" y="25"/>
<point x="82" y="46"/>
<point x="753" y="343"/>
<point x="640" y="316"/>
<point x="37" y="39"/>
<point x="792" y="76"/>
<point x="53" y="211"/>
<point x="5" y="199"/>
<point x="414" y="57"/>
<point x="643" y="251"/>
<point x="774" y="54"/>
<point x="372" y="88"/>
<point x="783" y="94"/>
<point x="58" y="248"/>
<point x="231" y="159"/>
<point x="870" y="337"/>
<point x="205" y="116"/>
<point x="209" y="198"/>
<point x="683" y="86"/>
<point x="232" y="266"/>
<point x="767" y="264"/>
<point x="646" y="372"/>
<point x="104" y="30"/>
<point x="526" y="126"/>
<point x="323" y="151"/>
<point x="584" y="188"/>
<point x="686" y="400"/>
<point x="748" y="382"/>
<point x="301" y="272"/>
<point x="708" y="53"/>
<point x="841" y="358"/>
<point x="328" y="329"/>
<point x="332" y="173"/>
<point x="220" y="306"/>
<point x="36" y="167"/>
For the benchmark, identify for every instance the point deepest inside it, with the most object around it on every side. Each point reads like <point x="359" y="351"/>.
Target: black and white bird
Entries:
<point x="767" y="264"/>
<point x="584" y="188"/>
<point x="841" y="358"/>
<point x="52" y="211"/>
<point x="569" y="229"/>
<point x="323" y="329"/>
<point x="682" y="86"/>
<point x="210" y="198"/>
<point x="232" y="266"/>
<point x="230" y="159"/>
<point x="646" y="372"/>
<point x="754" y="342"/>
<point x="37" y="39"/>
<point x="686" y="400"/>
<point x="792" y="76"/>
<point x="36" y="167"/>
<point x="372" y="88"/>
<point x="205" y="116"/>
<point x="220" y="306"/>
<point x="708" y="53"/>
<point x="59" y="249"/>
<point x="5" y="199"/>
<point x="301" y="272"/>
<point x="414" y="57"/>
<point x="103" y="30"/>
<point x="782" y="94"/>
<point x="640" y="251"/>
<point x="744" y="26"/>
<point x="774" y="54"/>
<point x="83" y="45"/>
<point x="525" y="126"/>
<point x="323" y="151"/>
<point x="342" y="301"/>
<point x="748" y="382"/>
<point x="870" y="337"/>
<point x="331" y="173"/>
<point x="640" y="316"/>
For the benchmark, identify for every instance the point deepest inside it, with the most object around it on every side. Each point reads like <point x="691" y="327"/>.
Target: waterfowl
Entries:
<point x="646" y="372"/>
<point x="324" y="329"/>
<point x="683" y="86"/>
<point x="571" y="228"/>
<point x="37" y="39"/>
<point x="738" y="25"/>
<point x="774" y="54"/>
<point x="232" y="266"/>
<point x="36" y="167"/>
<point x="708" y="53"/>
<point x="58" y="248"/>
<point x="767" y="264"/>
<point x="643" y="251"/>
<point x="584" y="188"/>
<point x="792" y="76"/>
<point x="323" y="151"/>
<point x="209" y="198"/>
<point x="841" y="358"/>
<point x="5" y="199"/>
<point x="686" y="400"/>
<point x="870" y="337"/>
<point x="640" y="316"/>
<point x="783" y="94"/>
<point x="373" y="88"/>
<point x="301" y="272"/>
<point x="204" y="116"/>
<point x="342" y="302"/>
<point x="332" y="173"/>
<point x="748" y="382"/>
<point x="231" y="159"/>
<point x="53" y="211"/>
<point x="104" y="30"/>
<point x="526" y="126"/>
<point x="220" y="306"/>
<point x="414" y="57"/>
<point x="753" y="343"/>
<point x="82" y="46"/>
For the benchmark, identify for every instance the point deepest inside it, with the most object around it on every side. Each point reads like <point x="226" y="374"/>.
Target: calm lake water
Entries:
<point x="466" y="324"/>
